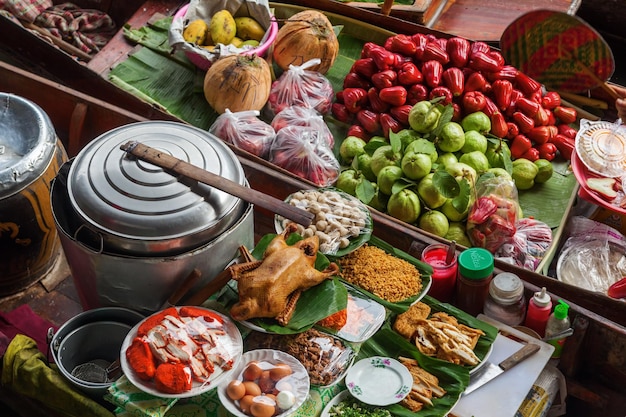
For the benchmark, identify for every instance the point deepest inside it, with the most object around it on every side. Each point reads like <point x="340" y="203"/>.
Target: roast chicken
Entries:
<point x="271" y="287"/>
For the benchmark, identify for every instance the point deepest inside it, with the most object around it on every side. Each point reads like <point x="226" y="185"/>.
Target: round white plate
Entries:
<point x="334" y="401"/>
<point x="483" y="362"/>
<point x="230" y="342"/>
<point x="379" y="381"/>
<point x="298" y="380"/>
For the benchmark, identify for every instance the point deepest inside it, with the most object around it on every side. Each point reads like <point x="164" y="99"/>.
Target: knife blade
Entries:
<point x="490" y="370"/>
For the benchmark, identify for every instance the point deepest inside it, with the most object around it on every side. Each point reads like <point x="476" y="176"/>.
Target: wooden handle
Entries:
<point x="184" y="287"/>
<point x="208" y="290"/>
<point x="387" y="5"/>
<point x="67" y="47"/>
<point x="178" y="166"/>
<point x="528" y="350"/>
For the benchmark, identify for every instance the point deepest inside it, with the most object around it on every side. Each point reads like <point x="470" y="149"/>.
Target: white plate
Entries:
<point x="601" y="146"/>
<point x="231" y="342"/>
<point x="379" y="381"/>
<point x="483" y="362"/>
<point x="298" y="380"/>
<point x="334" y="401"/>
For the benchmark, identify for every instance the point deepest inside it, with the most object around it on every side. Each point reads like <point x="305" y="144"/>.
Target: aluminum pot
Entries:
<point x="134" y="252"/>
<point x="92" y="337"/>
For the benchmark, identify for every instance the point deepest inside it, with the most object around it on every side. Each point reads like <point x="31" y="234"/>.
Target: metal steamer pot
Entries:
<point x="95" y="336"/>
<point x="131" y="231"/>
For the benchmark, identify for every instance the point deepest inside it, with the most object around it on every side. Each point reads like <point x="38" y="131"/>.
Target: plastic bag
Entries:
<point x="299" y="87"/>
<point x="245" y="131"/>
<point x="303" y="116"/>
<point x="492" y="217"/>
<point x="529" y="245"/>
<point x="593" y="257"/>
<point x="302" y="151"/>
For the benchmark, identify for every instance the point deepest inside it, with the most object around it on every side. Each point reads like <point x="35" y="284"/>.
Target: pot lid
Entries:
<point x="132" y="199"/>
<point x="27" y="143"/>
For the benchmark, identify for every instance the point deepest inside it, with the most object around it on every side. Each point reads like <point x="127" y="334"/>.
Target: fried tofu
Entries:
<point x="407" y="322"/>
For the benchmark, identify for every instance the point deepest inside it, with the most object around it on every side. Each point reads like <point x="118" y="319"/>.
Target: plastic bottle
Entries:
<point x="539" y="309"/>
<point x="557" y="323"/>
<point x="506" y="302"/>
<point x="472" y="284"/>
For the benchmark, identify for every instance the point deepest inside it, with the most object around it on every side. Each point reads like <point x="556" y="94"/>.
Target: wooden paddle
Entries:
<point x="178" y="166"/>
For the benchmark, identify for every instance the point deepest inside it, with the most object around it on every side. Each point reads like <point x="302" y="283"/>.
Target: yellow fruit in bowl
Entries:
<point x="196" y="32"/>
<point x="222" y="27"/>
<point x="249" y="29"/>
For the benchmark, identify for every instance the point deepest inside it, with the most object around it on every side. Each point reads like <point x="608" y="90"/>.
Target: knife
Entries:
<point x="489" y="371"/>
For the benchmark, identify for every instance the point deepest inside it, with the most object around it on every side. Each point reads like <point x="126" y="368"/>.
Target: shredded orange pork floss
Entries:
<point x="335" y="321"/>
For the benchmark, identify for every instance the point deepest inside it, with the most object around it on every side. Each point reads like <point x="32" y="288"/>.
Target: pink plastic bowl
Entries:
<point x="204" y="64"/>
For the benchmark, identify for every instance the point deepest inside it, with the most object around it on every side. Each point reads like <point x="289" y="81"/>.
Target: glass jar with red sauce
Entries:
<point x="444" y="273"/>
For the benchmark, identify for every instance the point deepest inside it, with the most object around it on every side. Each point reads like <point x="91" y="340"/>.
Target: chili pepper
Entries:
<point x="527" y="106"/>
<point x="547" y="151"/>
<point x="532" y="154"/>
<point x="354" y="80"/>
<point x="565" y="145"/>
<point x="384" y="79"/>
<point x="550" y="100"/>
<point x="441" y="91"/>
<point x="401" y="113"/>
<point x="566" y="115"/>
<point x="458" y="50"/>
<point x="502" y="90"/>
<point x="354" y="99"/>
<point x="524" y="122"/>
<point x="508" y="72"/>
<point x="526" y="84"/>
<point x="358" y="131"/>
<point x="389" y="124"/>
<point x="567" y="130"/>
<point x="420" y="44"/>
<point x="396" y="95"/>
<point x="499" y="125"/>
<point x="434" y="52"/>
<point x="416" y="93"/>
<point x="341" y="113"/>
<point x="473" y="101"/>
<point x="479" y="47"/>
<point x="365" y="67"/>
<point x="172" y="378"/>
<point x="375" y="103"/>
<point x="483" y="61"/>
<point x="617" y="289"/>
<point x="369" y="120"/>
<point x="512" y="130"/>
<point x="453" y="79"/>
<point x="490" y="107"/>
<point x="383" y="58"/>
<point x="409" y="74"/>
<point x="542" y="118"/>
<point x="140" y="359"/>
<point x="475" y="82"/>
<point x="402" y="44"/>
<point x="540" y="134"/>
<point x="432" y="71"/>
<point x="519" y="145"/>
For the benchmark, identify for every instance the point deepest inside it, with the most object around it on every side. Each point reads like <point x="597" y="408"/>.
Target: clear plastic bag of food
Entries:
<point x="303" y="151"/>
<point x="303" y="116"/>
<point x="529" y="245"/>
<point x="300" y="87"/>
<point x="245" y="130"/>
<point x="492" y="217"/>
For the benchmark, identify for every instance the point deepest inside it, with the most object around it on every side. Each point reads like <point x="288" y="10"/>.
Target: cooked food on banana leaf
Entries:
<point x="271" y="287"/>
<point x="425" y="386"/>
<point x="386" y="276"/>
<point x="439" y="334"/>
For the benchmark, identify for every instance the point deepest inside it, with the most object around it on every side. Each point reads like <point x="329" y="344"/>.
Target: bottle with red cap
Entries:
<point x="539" y="309"/>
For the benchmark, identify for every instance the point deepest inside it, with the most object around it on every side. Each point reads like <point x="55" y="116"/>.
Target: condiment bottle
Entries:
<point x="472" y="284"/>
<point x="539" y="309"/>
<point x="558" y="322"/>
<point x="506" y="302"/>
<point x="444" y="273"/>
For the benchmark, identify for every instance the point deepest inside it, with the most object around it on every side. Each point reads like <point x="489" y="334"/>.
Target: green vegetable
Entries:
<point x="353" y="408"/>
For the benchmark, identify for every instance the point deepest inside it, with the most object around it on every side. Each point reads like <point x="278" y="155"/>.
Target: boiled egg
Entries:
<point x="245" y="403"/>
<point x="285" y="400"/>
<point x="266" y="383"/>
<point x="252" y="388"/>
<point x="280" y="370"/>
<point x="262" y="406"/>
<point x="252" y="372"/>
<point x="235" y="390"/>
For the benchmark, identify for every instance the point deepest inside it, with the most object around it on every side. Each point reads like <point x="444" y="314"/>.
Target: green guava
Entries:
<point x="416" y="165"/>
<point x="423" y="117"/>
<point x="404" y="205"/>
<point x="477" y="121"/>
<point x="451" y="138"/>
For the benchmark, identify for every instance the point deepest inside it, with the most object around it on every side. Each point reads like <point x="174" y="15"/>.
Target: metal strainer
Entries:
<point x="98" y="371"/>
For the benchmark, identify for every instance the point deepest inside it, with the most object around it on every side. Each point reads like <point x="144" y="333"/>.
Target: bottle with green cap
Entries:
<point x="475" y="270"/>
<point x="558" y="323"/>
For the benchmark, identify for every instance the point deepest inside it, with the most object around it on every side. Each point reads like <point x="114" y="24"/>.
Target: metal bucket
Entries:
<point x="30" y="157"/>
<point x="106" y="274"/>
<point x="94" y="337"/>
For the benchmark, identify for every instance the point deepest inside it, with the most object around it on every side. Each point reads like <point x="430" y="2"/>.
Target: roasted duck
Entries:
<point x="271" y="287"/>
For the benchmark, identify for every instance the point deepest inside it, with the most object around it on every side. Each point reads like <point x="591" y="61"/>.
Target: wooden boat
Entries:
<point x="593" y="361"/>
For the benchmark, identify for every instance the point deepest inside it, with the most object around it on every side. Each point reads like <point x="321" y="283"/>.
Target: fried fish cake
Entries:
<point x="407" y="322"/>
